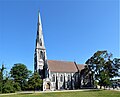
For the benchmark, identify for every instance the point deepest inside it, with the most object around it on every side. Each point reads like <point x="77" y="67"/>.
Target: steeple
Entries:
<point x="40" y="58"/>
<point x="39" y="21"/>
<point x="39" y="39"/>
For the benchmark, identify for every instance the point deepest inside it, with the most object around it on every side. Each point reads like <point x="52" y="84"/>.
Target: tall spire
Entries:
<point x="40" y="40"/>
<point x="39" y="21"/>
<point x="40" y="58"/>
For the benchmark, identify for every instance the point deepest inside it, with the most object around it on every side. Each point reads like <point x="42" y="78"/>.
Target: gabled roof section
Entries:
<point x="62" y="66"/>
<point x="80" y="66"/>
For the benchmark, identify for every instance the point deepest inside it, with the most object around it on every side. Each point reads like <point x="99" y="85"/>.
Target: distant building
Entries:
<point x="55" y="74"/>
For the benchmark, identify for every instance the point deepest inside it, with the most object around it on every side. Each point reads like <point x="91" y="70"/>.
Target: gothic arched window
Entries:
<point x="76" y="78"/>
<point x="61" y="78"/>
<point x="68" y="77"/>
<point x="41" y="55"/>
<point x="53" y="78"/>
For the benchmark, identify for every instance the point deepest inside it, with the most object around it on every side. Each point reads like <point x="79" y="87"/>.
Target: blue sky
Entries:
<point x="73" y="29"/>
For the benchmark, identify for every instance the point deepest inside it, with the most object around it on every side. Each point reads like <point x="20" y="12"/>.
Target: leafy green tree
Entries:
<point x="8" y="86"/>
<point x="35" y="82"/>
<point x="1" y="77"/>
<point x="102" y="68"/>
<point x="17" y="87"/>
<point x="20" y="74"/>
<point x="116" y="62"/>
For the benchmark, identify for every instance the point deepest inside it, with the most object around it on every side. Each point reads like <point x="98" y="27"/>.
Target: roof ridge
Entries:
<point x="61" y="61"/>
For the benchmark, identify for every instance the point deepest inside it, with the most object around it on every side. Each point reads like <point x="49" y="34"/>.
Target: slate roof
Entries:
<point x="63" y="66"/>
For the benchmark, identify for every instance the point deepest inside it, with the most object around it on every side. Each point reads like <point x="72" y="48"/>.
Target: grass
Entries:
<point x="101" y="93"/>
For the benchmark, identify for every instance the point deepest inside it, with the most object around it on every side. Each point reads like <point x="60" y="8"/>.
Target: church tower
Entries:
<point x="40" y="58"/>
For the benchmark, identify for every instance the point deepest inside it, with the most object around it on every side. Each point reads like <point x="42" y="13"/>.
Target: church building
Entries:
<point x="56" y="74"/>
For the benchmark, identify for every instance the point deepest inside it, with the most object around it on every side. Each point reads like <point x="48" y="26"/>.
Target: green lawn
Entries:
<point x="101" y="93"/>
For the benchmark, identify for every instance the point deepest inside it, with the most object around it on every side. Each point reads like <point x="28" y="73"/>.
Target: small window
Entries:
<point x="76" y="77"/>
<point x="41" y="55"/>
<point x="53" y="78"/>
<point x="61" y="78"/>
<point x="68" y="77"/>
<point x="40" y="42"/>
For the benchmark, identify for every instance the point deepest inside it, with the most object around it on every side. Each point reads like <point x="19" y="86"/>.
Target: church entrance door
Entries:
<point x="48" y="86"/>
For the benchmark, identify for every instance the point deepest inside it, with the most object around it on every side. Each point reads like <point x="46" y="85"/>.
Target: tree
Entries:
<point x="20" y="74"/>
<point x="8" y="86"/>
<point x="102" y="68"/>
<point x="1" y="77"/>
<point x="35" y="82"/>
<point x="17" y="87"/>
<point x="116" y="62"/>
